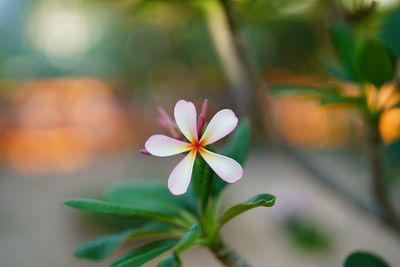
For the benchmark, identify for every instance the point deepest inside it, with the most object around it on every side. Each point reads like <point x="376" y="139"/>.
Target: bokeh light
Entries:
<point x="60" y="124"/>
<point x="63" y="32"/>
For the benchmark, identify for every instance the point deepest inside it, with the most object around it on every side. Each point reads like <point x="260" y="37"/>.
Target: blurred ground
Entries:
<point x="36" y="231"/>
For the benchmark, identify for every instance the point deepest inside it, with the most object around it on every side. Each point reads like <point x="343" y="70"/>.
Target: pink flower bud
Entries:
<point x="144" y="151"/>
<point x="167" y="123"/>
<point x="202" y="117"/>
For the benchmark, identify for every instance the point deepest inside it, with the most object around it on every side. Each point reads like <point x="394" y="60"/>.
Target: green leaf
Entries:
<point x="237" y="148"/>
<point x="239" y="144"/>
<point x="153" y="197"/>
<point x="344" y="42"/>
<point x="189" y="238"/>
<point x="144" y="254"/>
<point x="170" y="261"/>
<point x="98" y="206"/>
<point x="338" y="99"/>
<point x="104" y="246"/>
<point x="364" y="259"/>
<point x="390" y="31"/>
<point x="377" y="64"/>
<point x="262" y="200"/>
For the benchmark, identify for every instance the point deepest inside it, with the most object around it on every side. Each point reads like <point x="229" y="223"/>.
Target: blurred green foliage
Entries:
<point x="307" y="234"/>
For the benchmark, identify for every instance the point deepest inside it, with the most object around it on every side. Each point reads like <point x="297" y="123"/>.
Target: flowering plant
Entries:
<point x="192" y="219"/>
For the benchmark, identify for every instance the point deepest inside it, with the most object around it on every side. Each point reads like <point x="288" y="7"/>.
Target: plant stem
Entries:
<point x="379" y="189"/>
<point x="227" y="256"/>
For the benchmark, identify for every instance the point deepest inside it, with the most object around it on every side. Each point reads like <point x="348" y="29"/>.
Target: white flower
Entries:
<point x="223" y="123"/>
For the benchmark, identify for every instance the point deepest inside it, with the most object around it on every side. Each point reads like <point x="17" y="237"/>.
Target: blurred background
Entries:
<point x="80" y="82"/>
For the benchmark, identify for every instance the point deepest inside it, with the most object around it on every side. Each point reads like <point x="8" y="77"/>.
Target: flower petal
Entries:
<point x="228" y="169"/>
<point x="179" y="180"/>
<point x="185" y="117"/>
<point x="163" y="146"/>
<point x="223" y="123"/>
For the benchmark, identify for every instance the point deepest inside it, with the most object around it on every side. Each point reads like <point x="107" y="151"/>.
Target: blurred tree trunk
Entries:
<point x="229" y="46"/>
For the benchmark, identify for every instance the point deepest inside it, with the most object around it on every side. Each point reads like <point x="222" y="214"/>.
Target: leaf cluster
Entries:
<point x="364" y="60"/>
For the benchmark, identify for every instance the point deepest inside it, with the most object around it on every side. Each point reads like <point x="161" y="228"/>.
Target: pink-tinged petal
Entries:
<point x="178" y="181"/>
<point x="223" y="123"/>
<point x="185" y="117"/>
<point x="163" y="146"/>
<point x="228" y="169"/>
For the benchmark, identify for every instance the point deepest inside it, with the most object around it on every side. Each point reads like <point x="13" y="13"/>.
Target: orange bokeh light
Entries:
<point x="59" y="124"/>
<point x="302" y="120"/>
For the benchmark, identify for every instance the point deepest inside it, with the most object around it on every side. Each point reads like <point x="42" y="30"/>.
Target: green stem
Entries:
<point x="188" y="217"/>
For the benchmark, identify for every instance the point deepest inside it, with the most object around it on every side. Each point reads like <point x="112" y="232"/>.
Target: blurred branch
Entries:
<point x="223" y="29"/>
<point x="338" y="12"/>
<point x="378" y="185"/>
<point x="361" y="13"/>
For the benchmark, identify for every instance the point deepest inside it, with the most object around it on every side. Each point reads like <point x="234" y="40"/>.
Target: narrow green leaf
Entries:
<point x="377" y="63"/>
<point x="144" y="254"/>
<point x="170" y="261"/>
<point x="364" y="259"/>
<point x="262" y="200"/>
<point x="104" y="246"/>
<point x="303" y="90"/>
<point x="188" y="238"/>
<point x="98" y="206"/>
<point x="344" y="42"/>
<point x="338" y="99"/>
<point x="238" y="147"/>
<point x="153" y="197"/>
